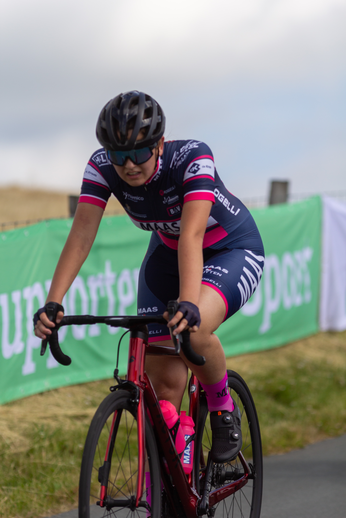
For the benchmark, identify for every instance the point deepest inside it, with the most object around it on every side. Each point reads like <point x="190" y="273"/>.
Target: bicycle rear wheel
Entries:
<point x="246" y="502"/>
<point x="113" y="436"/>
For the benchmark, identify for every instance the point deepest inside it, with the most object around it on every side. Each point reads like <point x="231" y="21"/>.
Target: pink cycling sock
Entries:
<point x="218" y="397"/>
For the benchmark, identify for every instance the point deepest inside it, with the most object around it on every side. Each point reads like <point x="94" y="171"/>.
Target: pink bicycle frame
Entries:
<point x="148" y="402"/>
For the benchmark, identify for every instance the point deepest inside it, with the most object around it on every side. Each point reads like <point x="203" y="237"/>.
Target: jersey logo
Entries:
<point x="129" y="196"/>
<point x="170" y="189"/>
<point x="101" y="159"/>
<point x="194" y="168"/>
<point x="225" y="202"/>
<point x="175" y="210"/>
<point x="201" y="167"/>
<point x="168" y="200"/>
<point x="170" y="228"/>
<point x="179" y="156"/>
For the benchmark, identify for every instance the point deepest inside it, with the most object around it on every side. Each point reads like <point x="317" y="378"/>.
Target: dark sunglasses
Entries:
<point x="137" y="156"/>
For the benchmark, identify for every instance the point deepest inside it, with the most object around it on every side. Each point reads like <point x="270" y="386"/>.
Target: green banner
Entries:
<point x="283" y="308"/>
<point x="285" y="305"/>
<point x="107" y="284"/>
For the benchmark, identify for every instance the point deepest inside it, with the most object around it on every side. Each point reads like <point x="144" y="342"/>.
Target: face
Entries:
<point x="136" y="175"/>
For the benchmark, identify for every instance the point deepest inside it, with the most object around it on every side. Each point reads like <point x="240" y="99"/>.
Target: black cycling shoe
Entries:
<point x="227" y="438"/>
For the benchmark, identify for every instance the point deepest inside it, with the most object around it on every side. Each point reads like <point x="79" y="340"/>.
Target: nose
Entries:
<point x="129" y="164"/>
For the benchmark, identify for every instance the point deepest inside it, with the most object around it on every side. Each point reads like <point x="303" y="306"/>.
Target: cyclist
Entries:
<point x="205" y="249"/>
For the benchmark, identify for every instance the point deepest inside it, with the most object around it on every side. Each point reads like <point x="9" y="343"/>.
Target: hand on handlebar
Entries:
<point x="186" y="317"/>
<point x="42" y="324"/>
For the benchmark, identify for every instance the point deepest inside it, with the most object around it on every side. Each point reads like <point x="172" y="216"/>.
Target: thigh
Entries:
<point x="234" y="275"/>
<point x="158" y="283"/>
<point x="168" y="375"/>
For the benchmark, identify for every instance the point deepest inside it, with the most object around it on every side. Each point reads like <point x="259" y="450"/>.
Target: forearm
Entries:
<point x="190" y="257"/>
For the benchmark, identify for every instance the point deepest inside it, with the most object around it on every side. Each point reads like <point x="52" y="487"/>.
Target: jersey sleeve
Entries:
<point x="199" y="175"/>
<point x="95" y="188"/>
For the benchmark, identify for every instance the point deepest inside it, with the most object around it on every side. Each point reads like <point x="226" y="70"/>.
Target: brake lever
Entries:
<point x="183" y="339"/>
<point x="172" y="307"/>
<point x="44" y="344"/>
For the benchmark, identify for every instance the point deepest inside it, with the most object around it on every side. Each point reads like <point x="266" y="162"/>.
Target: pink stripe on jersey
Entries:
<point x="154" y="173"/>
<point x="199" y="158"/>
<point x="93" y="200"/>
<point x="199" y="195"/>
<point x="95" y="183"/>
<point x="95" y="167"/>
<point x="220" y="293"/>
<point x="210" y="238"/>
<point x="198" y="177"/>
<point x="213" y="236"/>
<point x="159" y="339"/>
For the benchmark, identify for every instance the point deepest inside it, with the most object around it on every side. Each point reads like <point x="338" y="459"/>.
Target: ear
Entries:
<point x="161" y="145"/>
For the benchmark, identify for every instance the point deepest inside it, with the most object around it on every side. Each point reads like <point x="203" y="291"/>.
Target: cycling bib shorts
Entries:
<point x="233" y="273"/>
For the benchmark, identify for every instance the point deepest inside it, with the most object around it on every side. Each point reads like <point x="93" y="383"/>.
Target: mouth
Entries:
<point x="133" y="174"/>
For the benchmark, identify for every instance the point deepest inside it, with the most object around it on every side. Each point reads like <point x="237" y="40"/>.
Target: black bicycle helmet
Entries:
<point x="135" y="111"/>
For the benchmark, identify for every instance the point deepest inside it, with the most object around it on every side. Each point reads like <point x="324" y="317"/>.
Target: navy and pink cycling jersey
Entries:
<point x="185" y="172"/>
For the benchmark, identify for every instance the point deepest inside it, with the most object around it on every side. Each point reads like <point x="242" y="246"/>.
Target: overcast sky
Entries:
<point x="261" y="81"/>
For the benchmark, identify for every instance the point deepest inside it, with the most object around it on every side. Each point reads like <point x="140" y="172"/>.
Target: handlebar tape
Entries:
<point x="52" y="309"/>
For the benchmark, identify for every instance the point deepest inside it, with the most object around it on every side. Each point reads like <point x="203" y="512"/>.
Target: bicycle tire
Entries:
<point x="122" y="479"/>
<point x="246" y="502"/>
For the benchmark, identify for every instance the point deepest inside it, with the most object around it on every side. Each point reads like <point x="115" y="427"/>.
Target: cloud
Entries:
<point x="259" y="80"/>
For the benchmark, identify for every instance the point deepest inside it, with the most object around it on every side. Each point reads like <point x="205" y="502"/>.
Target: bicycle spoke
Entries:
<point x="119" y="474"/>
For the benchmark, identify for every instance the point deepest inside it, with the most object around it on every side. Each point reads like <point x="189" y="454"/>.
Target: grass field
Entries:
<point x="299" y="391"/>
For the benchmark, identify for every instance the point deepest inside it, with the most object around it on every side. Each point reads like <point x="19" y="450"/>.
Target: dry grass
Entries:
<point x="19" y="206"/>
<point x="325" y="348"/>
<point x="65" y="405"/>
<point x="292" y="387"/>
<point x="42" y="437"/>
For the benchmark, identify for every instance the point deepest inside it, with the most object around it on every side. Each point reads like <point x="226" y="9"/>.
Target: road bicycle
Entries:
<point x="130" y="466"/>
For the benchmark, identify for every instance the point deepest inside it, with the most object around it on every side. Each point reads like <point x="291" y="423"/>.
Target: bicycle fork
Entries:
<point x="135" y="386"/>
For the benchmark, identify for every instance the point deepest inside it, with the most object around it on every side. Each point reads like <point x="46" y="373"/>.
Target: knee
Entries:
<point x="169" y="380"/>
<point x="202" y="339"/>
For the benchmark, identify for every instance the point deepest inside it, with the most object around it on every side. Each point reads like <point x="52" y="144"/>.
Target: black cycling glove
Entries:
<point x="190" y="312"/>
<point x="51" y="309"/>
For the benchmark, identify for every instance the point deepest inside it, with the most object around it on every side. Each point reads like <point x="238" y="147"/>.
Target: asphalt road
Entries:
<point x="307" y="483"/>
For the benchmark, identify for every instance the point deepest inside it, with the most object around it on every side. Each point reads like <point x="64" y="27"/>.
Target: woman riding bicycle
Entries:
<point x="205" y="249"/>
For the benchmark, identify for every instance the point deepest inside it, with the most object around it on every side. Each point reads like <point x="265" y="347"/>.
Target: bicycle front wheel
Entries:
<point x="110" y="460"/>
<point x="246" y="502"/>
